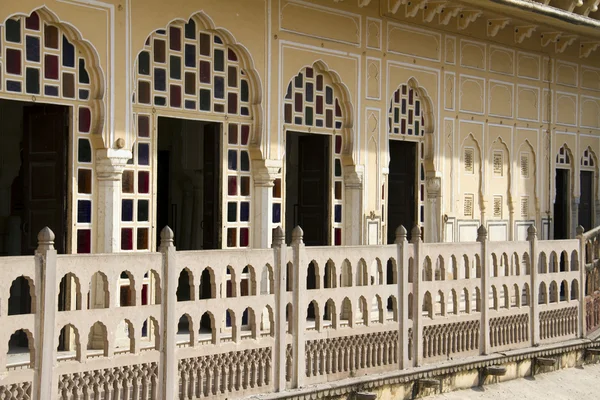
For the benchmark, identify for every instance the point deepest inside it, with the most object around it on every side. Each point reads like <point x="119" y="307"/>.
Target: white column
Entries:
<point x="110" y="164"/>
<point x="300" y="306"/>
<point x="353" y="204"/>
<point x="403" y="292"/>
<point x="574" y="217"/>
<point x="168" y="358"/>
<point x="433" y="210"/>
<point x="264" y="173"/>
<point x="280" y="272"/>
<point x="534" y="290"/>
<point x="417" y="333"/>
<point x="484" y="341"/>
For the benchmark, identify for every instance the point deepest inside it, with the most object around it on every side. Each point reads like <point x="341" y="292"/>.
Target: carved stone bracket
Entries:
<point x="353" y="176"/>
<point x="564" y="42"/>
<point x="467" y="17"/>
<point x="496" y="25"/>
<point x="586" y="48"/>
<point x="110" y="163"/>
<point x="524" y="32"/>
<point x="433" y="186"/>
<point x="265" y="171"/>
<point x="433" y="8"/>
<point x="550" y="37"/>
<point x="447" y="13"/>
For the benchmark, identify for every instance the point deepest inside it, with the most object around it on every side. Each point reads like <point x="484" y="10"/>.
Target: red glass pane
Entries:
<point x="33" y="22"/>
<point x="320" y="82"/>
<point x="232" y="103"/>
<point x="309" y="72"/>
<point x="175" y="38"/>
<point x="232" y="186"/>
<point x="244" y="237"/>
<point x="127" y="239"/>
<point x="84" y="241"/>
<point x="245" y="134"/>
<point x="51" y="66"/>
<point x="175" y="96"/>
<point x="231" y="56"/>
<point x="338" y="110"/>
<point x="143" y="126"/>
<point x="85" y="119"/>
<point x="298" y="106"/>
<point x="320" y="105"/>
<point x="397" y="96"/>
<point x="338" y="236"/>
<point x="13" y="61"/>
<point x="231" y="237"/>
<point x="143" y="182"/>
<point x="233" y="134"/>
<point x="204" y="71"/>
<point x="338" y="144"/>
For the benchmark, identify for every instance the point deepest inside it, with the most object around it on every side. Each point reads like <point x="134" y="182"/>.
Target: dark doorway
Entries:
<point x="188" y="182"/>
<point x="561" y="205"/>
<point x="585" y="201"/>
<point x="402" y="205"/>
<point x="34" y="139"/>
<point x="307" y="186"/>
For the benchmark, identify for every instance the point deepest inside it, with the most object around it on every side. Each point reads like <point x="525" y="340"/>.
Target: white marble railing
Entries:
<point x="228" y="324"/>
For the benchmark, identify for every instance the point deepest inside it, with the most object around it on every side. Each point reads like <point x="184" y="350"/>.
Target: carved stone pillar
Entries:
<point x="433" y="209"/>
<point x="264" y="173"/>
<point x="353" y="204"/>
<point x="596" y="221"/>
<point x="110" y="164"/>
<point x="574" y="223"/>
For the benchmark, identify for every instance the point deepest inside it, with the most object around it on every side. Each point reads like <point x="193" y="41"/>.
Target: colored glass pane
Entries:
<point x="142" y="238"/>
<point x="143" y="210"/>
<point x="127" y="181"/>
<point x="84" y="181"/>
<point x="232" y="185"/>
<point x="231" y="56"/>
<point x="175" y="67"/>
<point x="205" y="44"/>
<point x="232" y="77"/>
<point x="160" y="79"/>
<point x="127" y="239"/>
<point x="204" y="100"/>
<point x="205" y="72"/>
<point x="219" y="59"/>
<point x="143" y="154"/>
<point x="68" y="84"/>
<point x="232" y="160"/>
<point x="276" y="213"/>
<point x="144" y="63"/>
<point x="143" y="182"/>
<point x="33" y="22"/>
<point x="127" y="210"/>
<point x="175" y="96"/>
<point x="50" y="66"/>
<point x="84" y="241"/>
<point x="84" y="151"/>
<point x="190" y="56"/>
<point x="175" y="38"/>
<point x="338" y="213"/>
<point x="219" y="87"/>
<point x="231" y="212"/>
<point x="190" y="29"/>
<point x="12" y="30"/>
<point x="51" y="36"/>
<point x="32" y="48"/>
<point x="244" y="237"/>
<point x="160" y="51"/>
<point x="245" y="186"/>
<point x="244" y="91"/>
<point x="232" y="134"/>
<point x="144" y="92"/>
<point x="85" y="119"/>
<point x="84" y="211"/>
<point x="232" y="103"/>
<point x="32" y="80"/>
<point x="83" y="74"/>
<point x="51" y="90"/>
<point x="143" y="126"/>
<point x="244" y="161"/>
<point x="68" y="53"/>
<point x="13" y="61"/>
<point x="245" y="134"/>
<point x="231" y="237"/>
<point x="244" y="211"/>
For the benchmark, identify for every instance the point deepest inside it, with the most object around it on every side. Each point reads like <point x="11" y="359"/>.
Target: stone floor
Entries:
<point x="567" y="384"/>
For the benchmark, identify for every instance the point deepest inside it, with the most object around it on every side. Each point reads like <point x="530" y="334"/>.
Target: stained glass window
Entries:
<point x="407" y="122"/>
<point x="38" y="59"/>
<point x="195" y="73"/>
<point x="588" y="158"/>
<point x="562" y="158"/>
<point x="311" y="102"/>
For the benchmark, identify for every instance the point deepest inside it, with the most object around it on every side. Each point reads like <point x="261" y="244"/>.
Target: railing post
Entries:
<point x="168" y="360"/>
<point x="581" y="326"/>
<point x="279" y="249"/>
<point x="534" y="292"/>
<point x="482" y="237"/>
<point x="417" y="300"/>
<point x="45" y="325"/>
<point x="300" y="305"/>
<point x="402" y="303"/>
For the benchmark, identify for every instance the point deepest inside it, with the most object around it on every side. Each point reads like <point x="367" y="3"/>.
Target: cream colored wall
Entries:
<point x="486" y="93"/>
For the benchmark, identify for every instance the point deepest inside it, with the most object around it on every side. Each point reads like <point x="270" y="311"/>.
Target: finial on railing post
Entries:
<point x="531" y="233"/>
<point x="482" y="234"/>
<point x="415" y="234"/>
<point x="278" y="237"/>
<point x="167" y="237"/>
<point x="400" y="234"/>
<point x="45" y="240"/>
<point x="580" y="230"/>
<point x="297" y="235"/>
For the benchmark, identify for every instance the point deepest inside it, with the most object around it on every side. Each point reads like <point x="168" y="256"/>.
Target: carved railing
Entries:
<point x="235" y="323"/>
<point x="590" y="250"/>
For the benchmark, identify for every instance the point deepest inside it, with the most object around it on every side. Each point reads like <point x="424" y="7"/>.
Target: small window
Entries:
<point x="469" y="160"/>
<point x="524" y="207"/>
<point x="498" y="163"/>
<point x="524" y="165"/>
<point x="468" y="205"/>
<point x="497" y="206"/>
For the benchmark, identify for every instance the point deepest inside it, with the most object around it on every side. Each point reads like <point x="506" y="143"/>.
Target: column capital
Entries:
<point x="265" y="171"/>
<point x="354" y="176"/>
<point x="434" y="186"/>
<point x="110" y="163"/>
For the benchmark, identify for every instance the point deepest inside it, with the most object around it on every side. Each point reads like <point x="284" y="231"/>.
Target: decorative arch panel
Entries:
<point x="41" y="62"/>
<point x="191" y="71"/>
<point x="312" y="104"/>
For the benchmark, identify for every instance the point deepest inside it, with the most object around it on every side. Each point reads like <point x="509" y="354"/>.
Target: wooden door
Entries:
<point x="313" y="184"/>
<point x="211" y="193"/>
<point x="585" y="201"/>
<point x="561" y="205"/>
<point x="401" y="199"/>
<point x="45" y="133"/>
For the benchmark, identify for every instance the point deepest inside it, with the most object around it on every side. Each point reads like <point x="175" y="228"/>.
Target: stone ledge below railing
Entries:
<point x="377" y="382"/>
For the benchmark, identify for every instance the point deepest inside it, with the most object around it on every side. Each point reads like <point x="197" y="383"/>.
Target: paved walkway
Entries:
<point x="566" y="384"/>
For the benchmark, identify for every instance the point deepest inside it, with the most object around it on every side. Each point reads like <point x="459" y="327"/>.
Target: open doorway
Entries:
<point x="188" y="182"/>
<point x="561" y="204"/>
<point x="585" y="201"/>
<point x="33" y="180"/>
<point x="401" y="199"/>
<point x="307" y="186"/>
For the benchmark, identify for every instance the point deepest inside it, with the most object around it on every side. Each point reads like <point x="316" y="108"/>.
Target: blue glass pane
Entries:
<point x="232" y="160"/>
<point x="329" y="95"/>
<point x="32" y="80"/>
<point x="143" y="154"/>
<point x="298" y="81"/>
<point x="244" y="211"/>
<point x="320" y="123"/>
<point x="190" y="105"/>
<point x="84" y="94"/>
<point x="204" y="100"/>
<point x="83" y="75"/>
<point x="160" y="79"/>
<point x="338" y="125"/>
<point x="308" y="116"/>
<point x="219" y="87"/>
<point x="68" y="53"/>
<point x="338" y="213"/>
<point x="244" y="91"/>
<point x="276" y="213"/>
<point x="32" y="52"/>
<point x="190" y="29"/>
<point x="218" y="40"/>
<point x="144" y="63"/>
<point x="127" y="210"/>
<point x="244" y="161"/>
<point x="231" y="212"/>
<point x="84" y="211"/>
<point x="160" y="101"/>
<point x="298" y="120"/>
<point x="309" y="92"/>
<point x="219" y="64"/>
<point x="190" y="55"/>
<point x="51" y="90"/>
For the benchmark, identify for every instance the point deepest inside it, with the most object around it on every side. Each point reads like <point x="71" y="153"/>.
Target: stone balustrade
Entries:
<point x="233" y="323"/>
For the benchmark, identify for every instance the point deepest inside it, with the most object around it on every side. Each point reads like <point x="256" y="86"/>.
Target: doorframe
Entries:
<point x="330" y="186"/>
<point x="155" y="234"/>
<point x="569" y="199"/>
<point x="593" y="190"/>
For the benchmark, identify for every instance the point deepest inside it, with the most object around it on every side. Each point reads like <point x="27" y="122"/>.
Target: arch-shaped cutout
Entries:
<point x="267" y="322"/>
<point x="22" y="296"/>
<point x="248" y="324"/>
<point x="185" y="285"/>
<point x="69" y="344"/>
<point x="391" y="274"/>
<point x="312" y="276"/>
<point x="97" y="344"/>
<point x="185" y="330"/>
<point x="125" y="337"/>
<point x="229" y="328"/>
<point x="427" y="274"/>
<point x="151" y="288"/>
<point x="313" y="316"/>
<point x="329" y="315"/>
<point x="267" y="281"/>
<point x="427" y="308"/>
<point x="248" y="281"/>
<point x="542" y="294"/>
<point x="346" y="275"/>
<point x="207" y="331"/>
<point x="99" y="295"/>
<point x="150" y="338"/>
<point x="229" y="285"/>
<point x="575" y="290"/>
<point x="21" y="350"/>
<point x="127" y="293"/>
<point x="329" y="275"/>
<point x="207" y="288"/>
<point x="69" y="293"/>
<point x="362" y="275"/>
<point x="346" y="313"/>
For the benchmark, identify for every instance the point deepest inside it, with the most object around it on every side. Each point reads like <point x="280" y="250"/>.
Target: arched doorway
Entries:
<point x="195" y="114"/>
<point x="562" y="193"/>
<point x="314" y="136"/>
<point x="49" y="103"/>
<point x="588" y="189"/>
